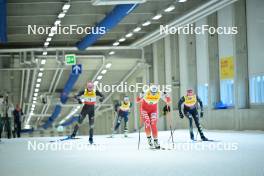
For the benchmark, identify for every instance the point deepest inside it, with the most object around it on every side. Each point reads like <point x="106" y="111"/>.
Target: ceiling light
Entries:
<point x="51" y="34"/>
<point x="39" y="80"/>
<point x="108" y="65"/>
<point x="40" y="74"/>
<point x="61" y="15"/>
<point x="34" y="102"/>
<point x="46" y="44"/>
<point x="99" y="77"/>
<point x="43" y="61"/>
<point x="41" y="69"/>
<point x="33" y="106"/>
<point x="111" y="53"/>
<point x="35" y="94"/>
<point x="37" y="85"/>
<point x="157" y="17"/>
<point x="35" y="98"/>
<point x="44" y="53"/>
<point x="48" y="39"/>
<point x="182" y="0"/>
<point x="104" y="71"/>
<point x="66" y="6"/>
<point x="137" y="29"/>
<point x="57" y="22"/>
<point x="146" y="23"/>
<point x="170" y="8"/>
<point x="116" y="44"/>
<point x="36" y="90"/>
<point x="129" y="35"/>
<point x="122" y="40"/>
<point x="96" y="82"/>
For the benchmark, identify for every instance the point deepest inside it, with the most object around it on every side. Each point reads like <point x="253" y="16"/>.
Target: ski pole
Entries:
<point x="170" y="117"/>
<point x="140" y="127"/>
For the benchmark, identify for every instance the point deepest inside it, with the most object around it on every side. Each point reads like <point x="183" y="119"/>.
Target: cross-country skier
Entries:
<point x="149" y="112"/>
<point x="123" y="109"/>
<point x="190" y="101"/>
<point x="88" y="98"/>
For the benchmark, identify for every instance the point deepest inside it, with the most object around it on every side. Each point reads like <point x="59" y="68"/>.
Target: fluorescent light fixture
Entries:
<point x="157" y="17"/>
<point x="57" y="22"/>
<point x="129" y="35"/>
<point x="99" y="77"/>
<point x="35" y="98"/>
<point x="37" y="85"/>
<point x="108" y="65"/>
<point x="96" y="82"/>
<point x="41" y="69"/>
<point x="116" y="2"/>
<point x="146" y="23"/>
<point x="170" y="8"/>
<point x="182" y="0"/>
<point x="66" y="6"/>
<point x="51" y="34"/>
<point x="46" y="44"/>
<point x="44" y="53"/>
<point x="43" y="61"/>
<point x="61" y="15"/>
<point x="36" y="90"/>
<point x="40" y="74"/>
<point x="122" y="40"/>
<point x="48" y="39"/>
<point x="116" y="44"/>
<point x="32" y="109"/>
<point x="39" y="80"/>
<point x="111" y="53"/>
<point x="104" y="71"/>
<point x="33" y="106"/>
<point x="137" y="29"/>
<point x="34" y="102"/>
<point x="35" y="94"/>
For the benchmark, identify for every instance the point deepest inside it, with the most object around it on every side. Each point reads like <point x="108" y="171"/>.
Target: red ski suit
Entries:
<point x="149" y="111"/>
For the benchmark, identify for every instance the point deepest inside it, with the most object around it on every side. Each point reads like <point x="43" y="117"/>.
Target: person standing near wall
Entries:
<point x="190" y="101"/>
<point x="123" y="109"/>
<point x="5" y="123"/>
<point x="17" y="120"/>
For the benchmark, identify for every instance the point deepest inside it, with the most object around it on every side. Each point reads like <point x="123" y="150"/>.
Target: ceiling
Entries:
<point x="20" y="14"/>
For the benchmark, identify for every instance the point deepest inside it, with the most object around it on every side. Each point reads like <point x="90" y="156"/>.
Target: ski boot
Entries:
<point x="91" y="140"/>
<point x="125" y="134"/>
<point x="192" y="136"/>
<point x="156" y="144"/>
<point x="204" y="138"/>
<point x="150" y="142"/>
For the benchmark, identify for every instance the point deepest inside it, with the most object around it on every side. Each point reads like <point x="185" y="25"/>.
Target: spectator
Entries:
<point x="17" y="120"/>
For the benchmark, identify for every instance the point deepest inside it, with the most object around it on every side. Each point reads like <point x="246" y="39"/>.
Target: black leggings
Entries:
<point x="193" y="115"/>
<point x="86" y="110"/>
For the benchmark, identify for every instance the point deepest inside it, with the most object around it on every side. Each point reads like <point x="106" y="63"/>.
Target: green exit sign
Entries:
<point x="70" y="59"/>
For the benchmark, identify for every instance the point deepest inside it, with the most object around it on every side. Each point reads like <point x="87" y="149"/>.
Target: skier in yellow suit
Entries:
<point x="190" y="101"/>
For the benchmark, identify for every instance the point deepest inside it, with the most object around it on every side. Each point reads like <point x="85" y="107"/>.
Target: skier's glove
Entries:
<point x="181" y="115"/>
<point x="201" y="114"/>
<point x="79" y="101"/>
<point x="101" y="99"/>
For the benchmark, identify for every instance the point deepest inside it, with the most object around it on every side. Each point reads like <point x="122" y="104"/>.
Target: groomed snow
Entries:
<point x="235" y="153"/>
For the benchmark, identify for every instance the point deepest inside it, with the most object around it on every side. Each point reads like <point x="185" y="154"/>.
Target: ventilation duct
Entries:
<point x="109" y="22"/>
<point x="116" y="2"/>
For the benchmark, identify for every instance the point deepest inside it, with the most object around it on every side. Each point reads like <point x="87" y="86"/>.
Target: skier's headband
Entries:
<point x="190" y="91"/>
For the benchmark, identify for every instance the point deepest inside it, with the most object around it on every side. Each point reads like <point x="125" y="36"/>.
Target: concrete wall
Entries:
<point x="201" y="54"/>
